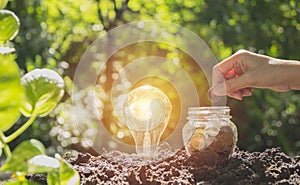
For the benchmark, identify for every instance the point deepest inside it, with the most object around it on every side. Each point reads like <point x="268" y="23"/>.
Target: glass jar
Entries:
<point x="210" y="131"/>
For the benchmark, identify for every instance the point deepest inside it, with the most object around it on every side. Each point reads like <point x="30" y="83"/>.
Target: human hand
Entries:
<point x="238" y="74"/>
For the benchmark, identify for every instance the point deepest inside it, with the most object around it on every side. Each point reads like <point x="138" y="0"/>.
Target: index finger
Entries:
<point x="229" y="63"/>
<point x="222" y="69"/>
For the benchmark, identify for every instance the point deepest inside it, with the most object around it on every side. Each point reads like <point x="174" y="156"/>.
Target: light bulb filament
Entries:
<point x="146" y="143"/>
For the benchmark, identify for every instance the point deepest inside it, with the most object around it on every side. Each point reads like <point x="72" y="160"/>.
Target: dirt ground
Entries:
<point x="269" y="167"/>
<point x="219" y="163"/>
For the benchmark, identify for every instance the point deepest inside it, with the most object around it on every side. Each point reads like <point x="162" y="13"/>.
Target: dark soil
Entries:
<point x="214" y="165"/>
<point x="269" y="167"/>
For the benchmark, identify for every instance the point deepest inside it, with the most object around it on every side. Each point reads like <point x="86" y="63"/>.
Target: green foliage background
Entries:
<point x="54" y="34"/>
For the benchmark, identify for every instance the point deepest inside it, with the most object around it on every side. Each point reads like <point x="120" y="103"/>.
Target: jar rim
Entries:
<point x="209" y="113"/>
<point x="208" y="118"/>
<point x="209" y="107"/>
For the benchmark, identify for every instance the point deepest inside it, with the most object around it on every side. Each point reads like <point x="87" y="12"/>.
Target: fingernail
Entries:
<point x="209" y="93"/>
<point x="212" y="97"/>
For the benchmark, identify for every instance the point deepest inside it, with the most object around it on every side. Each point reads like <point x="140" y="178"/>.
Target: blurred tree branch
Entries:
<point x="107" y="24"/>
<point x="100" y="17"/>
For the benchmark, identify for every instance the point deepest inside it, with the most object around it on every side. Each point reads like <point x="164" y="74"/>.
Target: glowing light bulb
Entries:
<point x="147" y="113"/>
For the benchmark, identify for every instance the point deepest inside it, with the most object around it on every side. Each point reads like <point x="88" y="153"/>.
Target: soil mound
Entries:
<point x="269" y="167"/>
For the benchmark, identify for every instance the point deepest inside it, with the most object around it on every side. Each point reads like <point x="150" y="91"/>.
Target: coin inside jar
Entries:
<point x="217" y="152"/>
<point x="198" y="140"/>
<point x="209" y="136"/>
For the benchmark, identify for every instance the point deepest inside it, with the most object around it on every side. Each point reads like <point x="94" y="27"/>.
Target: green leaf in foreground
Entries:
<point x="11" y="91"/>
<point x="22" y="153"/>
<point x="9" y="26"/>
<point x="65" y="175"/>
<point x="44" y="89"/>
<point x="3" y="3"/>
<point x="42" y="164"/>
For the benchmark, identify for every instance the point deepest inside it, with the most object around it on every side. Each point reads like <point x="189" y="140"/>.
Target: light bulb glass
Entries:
<point x="146" y="112"/>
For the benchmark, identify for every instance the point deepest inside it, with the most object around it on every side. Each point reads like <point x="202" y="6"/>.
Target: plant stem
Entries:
<point x="2" y="137"/>
<point x="5" y="145"/>
<point x="20" y="130"/>
<point x="7" y="151"/>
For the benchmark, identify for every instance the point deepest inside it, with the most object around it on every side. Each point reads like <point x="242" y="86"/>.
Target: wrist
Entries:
<point x="291" y="73"/>
<point x="294" y="81"/>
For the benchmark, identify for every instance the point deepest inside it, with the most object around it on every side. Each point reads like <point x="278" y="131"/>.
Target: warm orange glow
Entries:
<point x="138" y="50"/>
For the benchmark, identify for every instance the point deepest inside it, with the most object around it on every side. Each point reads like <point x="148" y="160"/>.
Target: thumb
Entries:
<point x="231" y="85"/>
<point x="235" y="84"/>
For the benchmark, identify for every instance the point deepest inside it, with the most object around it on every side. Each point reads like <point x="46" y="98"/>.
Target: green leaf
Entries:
<point x="44" y="89"/>
<point x="16" y="182"/>
<point x="65" y="175"/>
<point x="11" y="91"/>
<point x="52" y="178"/>
<point x="9" y="26"/>
<point x="22" y="153"/>
<point x="42" y="164"/>
<point x="3" y="3"/>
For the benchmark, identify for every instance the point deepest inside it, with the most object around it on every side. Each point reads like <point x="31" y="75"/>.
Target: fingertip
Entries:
<point x="212" y="97"/>
<point x="239" y="97"/>
<point x="246" y="92"/>
<point x="236" y="94"/>
<point x="218" y="90"/>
